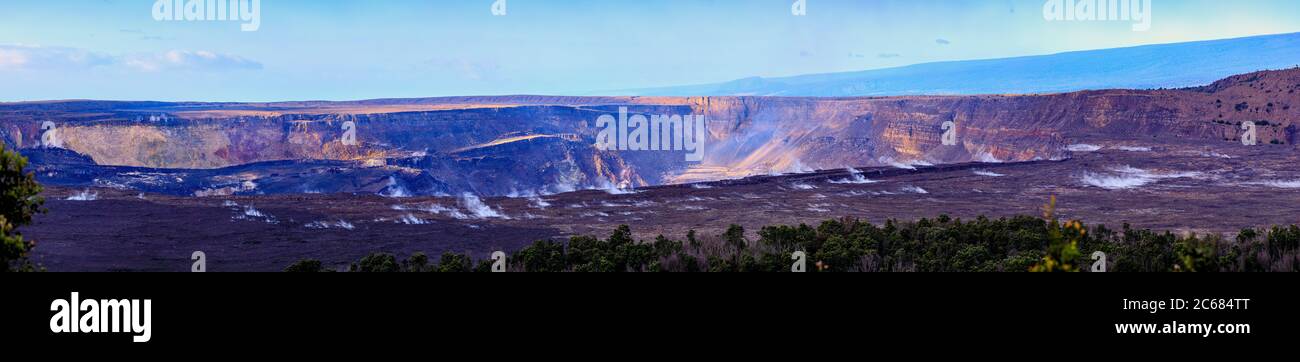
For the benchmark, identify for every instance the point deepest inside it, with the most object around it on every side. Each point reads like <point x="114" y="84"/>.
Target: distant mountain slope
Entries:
<point x="1143" y="67"/>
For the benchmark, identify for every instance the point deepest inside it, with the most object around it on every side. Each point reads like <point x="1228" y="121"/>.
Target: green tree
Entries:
<point x="735" y="237"/>
<point x="416" y="263"/>
<point x="544" y="256"/>
<point x="1063" y="243"/>
<point x="377" y="263"/>
<point x="458" y="263"/>
<point x="19" y="201"/>
<point x="305" y="266"/>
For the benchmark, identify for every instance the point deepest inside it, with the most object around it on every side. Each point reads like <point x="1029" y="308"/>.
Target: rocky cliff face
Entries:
<point x="531" y="144"/>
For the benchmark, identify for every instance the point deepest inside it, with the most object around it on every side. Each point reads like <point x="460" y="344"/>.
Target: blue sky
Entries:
<point x="361" y="49"/>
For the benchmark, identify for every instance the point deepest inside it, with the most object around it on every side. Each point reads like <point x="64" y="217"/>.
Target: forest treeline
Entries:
<point x="942" y="244"/>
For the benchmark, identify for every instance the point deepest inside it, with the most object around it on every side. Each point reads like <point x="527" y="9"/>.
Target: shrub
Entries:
<point x="459" y="263"/>
<point x="416" y="263"/>
<point x="305" y="266"/>
<point x="944" y="244"/>
<point x="542" y="257"/>
<point x="376" y="263"/>
<point x="20" y="200"/>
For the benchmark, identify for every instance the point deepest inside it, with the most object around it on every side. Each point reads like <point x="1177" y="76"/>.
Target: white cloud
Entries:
<point x="40" y="58"/>
<point x="189" y="60"/>
<point x="25" y="57"/>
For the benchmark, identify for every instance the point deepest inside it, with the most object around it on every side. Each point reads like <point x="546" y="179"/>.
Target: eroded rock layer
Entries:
<point x="520" y="145"/>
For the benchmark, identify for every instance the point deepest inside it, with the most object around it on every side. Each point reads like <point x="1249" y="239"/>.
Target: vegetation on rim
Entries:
<point x="19" y="201"/>
<point x="943" y="244"/>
